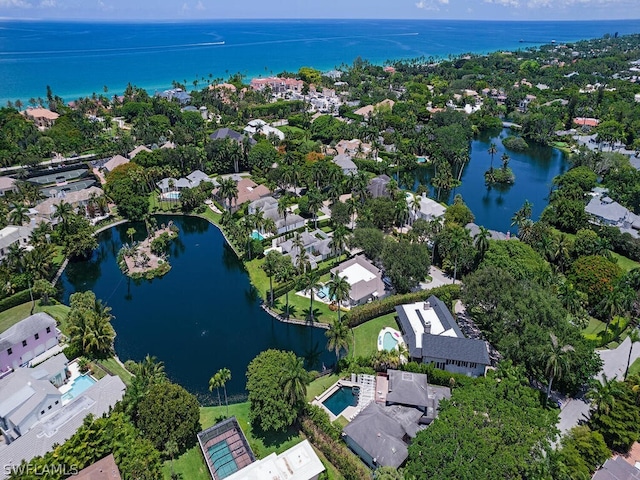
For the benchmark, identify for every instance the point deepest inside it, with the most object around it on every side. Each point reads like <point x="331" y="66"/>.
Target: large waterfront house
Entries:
<point x="248" y="191"/>
<point x="7" y="184"/>
<point x="603" y="210"/>
<point x="114" y="162"/>
<point x="13" y="234"/>
<point x="277" y="84"/>
<point x="78" y="199"/>
<point x="429" y="208"/>
<point x="269" y="208"/>
<point x="378" y="186"/>
<point x="59" y="423"/>
<point x="192" y="180"/>
<point x="433" y="336"/>
<point x="316" y="244"/>
<point x="364" y="278"/>
<point x="27" y="339"/>
<point x="405" y="403"/>
<point x="182" y="97"/>
<point x="260" y="126"/>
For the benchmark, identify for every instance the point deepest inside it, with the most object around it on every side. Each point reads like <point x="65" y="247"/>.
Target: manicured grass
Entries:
<point x="12" y="316"/>
<point x="634" y="369"/>
<point x="320" y="384"/>
<point x="190" y="464"/>
<point x="595" y="326"/>
<point x="299" y="308"/>
<point x="258" y="276"/>
<point x="261" y="443"/>
<point x="623" y="262"/>
<point x="114" y="366"/>
<point x="366" y="335"/>
<point x="291" y="129"/>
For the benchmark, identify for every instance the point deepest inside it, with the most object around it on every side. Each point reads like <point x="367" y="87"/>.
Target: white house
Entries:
<point x="346" y="164"/>
<point x="260" y="126"/>
<point x="269" y="208"/>
<point x="364" y="278"/>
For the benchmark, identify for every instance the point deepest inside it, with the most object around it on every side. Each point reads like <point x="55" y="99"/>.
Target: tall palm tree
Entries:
<point x="284" y="272"/>
<point x="224" y="375"/>
<point x="556" y="361"/>
<point x="634" y="336"/>
<point x="314" y="203"/>
<point x="458" y="239"/>
<point x="283" y="209"/>
<point x="19" y="215"/>
<point x="339" y="239"/>
<point x="481" y="240"/>
<point x="339" y="290"/>
<point x="215" y="382"/>
<point x="63" y="212"/>
<point x="603" y="394"/>
<point x="613" y="303"/>
<point x="311" y="281"/>
<point x="270" y="267"/>
<point x="294" y="380"/>
<point x="337" y="337"/>
<point x="492" y="151"/>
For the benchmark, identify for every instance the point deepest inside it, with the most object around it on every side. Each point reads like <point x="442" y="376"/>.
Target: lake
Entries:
<point x="494" y="207"/>
<point x="202" y="316"/>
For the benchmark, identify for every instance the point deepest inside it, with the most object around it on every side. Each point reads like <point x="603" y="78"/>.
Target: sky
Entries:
<point x="148" y="10"/>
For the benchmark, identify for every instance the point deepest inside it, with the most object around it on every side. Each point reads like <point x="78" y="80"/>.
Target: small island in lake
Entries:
<point x="148" y="258"/>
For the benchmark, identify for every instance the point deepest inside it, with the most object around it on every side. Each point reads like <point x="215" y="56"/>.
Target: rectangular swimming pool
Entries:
<point x="344" y="397"/>
<point x="78" y="386"/>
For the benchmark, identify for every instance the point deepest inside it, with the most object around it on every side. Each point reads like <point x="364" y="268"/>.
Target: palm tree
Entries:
<point x="505" y="160"/>
<point x="294" y="380"/>
<point x="19" y="215"/>
<point x="556" y="361"/>
<point x="224" y="375"/>
<point x="634" y="337"/>
<point x="613" y="303"/>
<point x="284" y="272"/>
<point x="458" y="239"/>
<point x="481" y="240"/>
<point x="311" y="281"/>
<point x="63" y="212"/>
<point x="337" y="337"/>
<point x="339" y="290"/>
<point x="283" y="209"/>
<point x="603" y="394"/>
<point x="492" y="151"/>
<point x="314" y="204"/>
<point x="130" y="233"/>
<point x="339" y="239"/>
<point x="215" y="382"/>
<point x="270" y="267"/>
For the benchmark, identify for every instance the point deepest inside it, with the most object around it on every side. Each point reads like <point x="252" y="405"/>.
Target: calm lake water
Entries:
<point x="202" y="316"/>
<point x="494" y="207"/>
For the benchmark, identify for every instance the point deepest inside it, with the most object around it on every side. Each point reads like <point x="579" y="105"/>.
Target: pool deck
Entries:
<point x="365" y="397"/>
<point x="396" y="335"/>
<point x="74" y="370"/>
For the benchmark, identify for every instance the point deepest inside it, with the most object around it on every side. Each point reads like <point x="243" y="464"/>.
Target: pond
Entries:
<point x="202" y="316"/>
<point x="494" y="207"/>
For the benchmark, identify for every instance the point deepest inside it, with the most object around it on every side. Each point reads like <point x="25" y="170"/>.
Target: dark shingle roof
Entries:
<point x="444" y="315"/>
<point x="379" y="435"/>
<point x="451" y="348"/>
<point x="413" y="389"/>
<point x="617" y="469"/>
<point x="223" y="133"/>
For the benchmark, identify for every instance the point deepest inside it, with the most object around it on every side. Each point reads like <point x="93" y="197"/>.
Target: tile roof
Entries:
<point x="104" y="469"/>
<point x="115" y="162"/>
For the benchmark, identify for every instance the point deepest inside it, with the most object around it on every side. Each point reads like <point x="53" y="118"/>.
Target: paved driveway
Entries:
<point x="438" y="278"/>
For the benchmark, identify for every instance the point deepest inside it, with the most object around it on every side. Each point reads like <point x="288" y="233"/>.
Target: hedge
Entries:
<point x="336" y="452"/>
<point x="16" y="299"/>
<point x="437" y="376"/>
<point x="363" y="313"/>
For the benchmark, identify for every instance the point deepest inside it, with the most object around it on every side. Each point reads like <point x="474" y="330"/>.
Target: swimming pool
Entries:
<point x="79" y="385"/>
<point x="222" y="459"/>
<point x="344" y="397"/>
<point x="171" y="195"/>
<point x="323" y="292"/>
<point x="256" y="235"/>
<point x="389" y="342"/>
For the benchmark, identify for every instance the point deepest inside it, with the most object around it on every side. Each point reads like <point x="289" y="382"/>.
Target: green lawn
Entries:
<point x="634" y="369"/>
<point x="596" y="327"/>
<point x="113" y="366"/>
<point x="258" y="276"/>
<point x="623" y="262"/>
<point x="366" y="335"/>
<point x="190" y="464"/>
<point x="320" y="384"/>
<point x="299" y="308"/>
<point x="12" y="316"/>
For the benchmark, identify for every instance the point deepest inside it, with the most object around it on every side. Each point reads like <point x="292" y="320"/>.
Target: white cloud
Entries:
<point x="431" y="4"/>
<point x="14" y="4"/>
<point x="48" y="3"/>
<point x="200" y="6"/>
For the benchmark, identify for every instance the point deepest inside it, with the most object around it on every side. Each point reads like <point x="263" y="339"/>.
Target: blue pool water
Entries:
<point x="171" y="195"/>
<point x="323" y="292"/>
<point x="222" y="459"/>
<point x="421" y="159"/>
<point x="389" y="342"/>
<point x="340" y="400"/>
<point x="256" y="235"/>
<point x="79" y="385"/>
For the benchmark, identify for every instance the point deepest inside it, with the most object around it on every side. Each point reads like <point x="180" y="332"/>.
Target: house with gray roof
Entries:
<point x="377" y="438"/>
<point x="114" y="162"/>
<point x="346" y="164"/>
<point x="378" y="186"/>
<point x="192" y="180"/>
<point x="26" y="397"/>
<point x="55" y="368"/>
<point x="364" y="278"/>
<point x="617" y="469"/>
<point x="7" y="184"/>
<point x="432" y="336"/>
<point x="59" y="426"/>
<point x="27" y="339"/>
<point x="222" y="133"/>
<point x="269" y="208"/>
<point x="429" y="208"/>
<point x="603" y="210"/>
<point x="474" y="229"/>
<point x="413" y="390"/>
<point x="12" y="234"/>
<point x="316" y="243"/>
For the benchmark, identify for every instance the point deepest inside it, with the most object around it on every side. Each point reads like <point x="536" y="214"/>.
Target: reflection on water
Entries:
<point x="202" y="316"/>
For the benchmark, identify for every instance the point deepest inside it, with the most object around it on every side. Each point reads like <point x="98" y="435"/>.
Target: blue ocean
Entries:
<point x="77" y="58"/>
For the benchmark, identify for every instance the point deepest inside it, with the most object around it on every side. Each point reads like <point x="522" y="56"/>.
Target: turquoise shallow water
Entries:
<point x="78" y="58"/>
